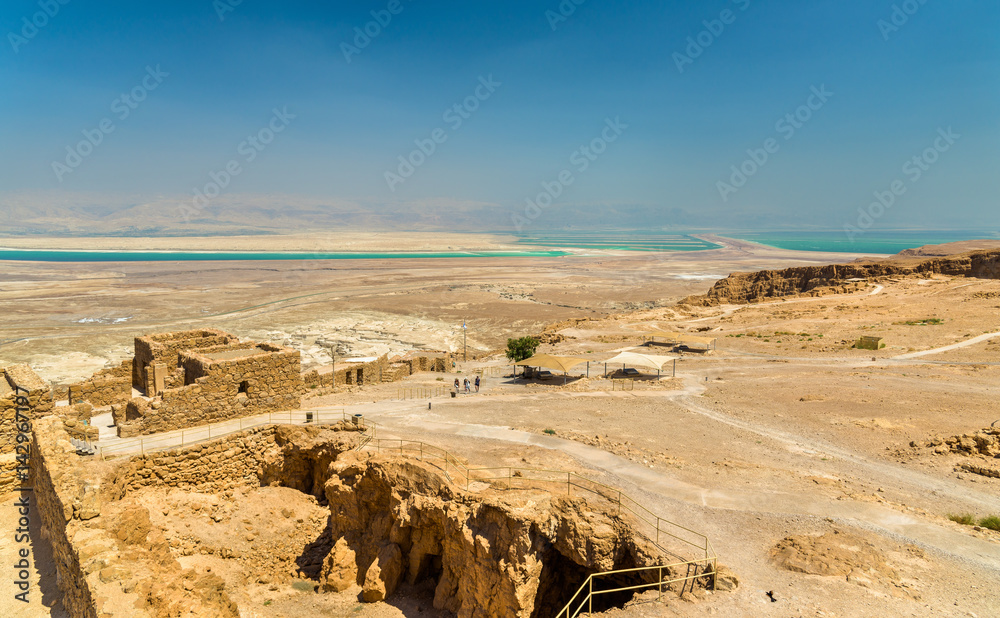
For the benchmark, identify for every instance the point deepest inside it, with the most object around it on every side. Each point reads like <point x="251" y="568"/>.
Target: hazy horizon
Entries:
<point x="510" y="117"/>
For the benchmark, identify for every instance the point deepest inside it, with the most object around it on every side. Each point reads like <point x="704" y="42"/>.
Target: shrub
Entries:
<point x="992" y="522"/>
<point x="551" y="432"/>
<point x="966" y="519"/>
<point x="521" y="348"/>
<point x="303" y="586"/>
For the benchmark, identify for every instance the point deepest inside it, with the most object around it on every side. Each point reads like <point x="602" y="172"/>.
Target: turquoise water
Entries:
<point x="190" y="256"/>
<point x="619" y="240"/>
<point x="883" y="242"/>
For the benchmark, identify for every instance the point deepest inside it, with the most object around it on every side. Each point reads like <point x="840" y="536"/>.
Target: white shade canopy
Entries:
<point x="560" y="363"/>
<point x="636" y="359"/>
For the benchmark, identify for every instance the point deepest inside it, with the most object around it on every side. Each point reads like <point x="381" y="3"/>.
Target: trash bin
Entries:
<point x="359" y="420"/>
<point x="309" y="417"/>
<point x="454" y="394"/>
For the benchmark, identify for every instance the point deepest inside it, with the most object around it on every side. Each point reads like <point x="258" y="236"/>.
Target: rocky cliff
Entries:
<point x="397" y="520"/>
<point x="741" y="288"/>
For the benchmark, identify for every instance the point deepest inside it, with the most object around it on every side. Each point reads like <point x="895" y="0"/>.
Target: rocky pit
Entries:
<point x="295" y="521"/>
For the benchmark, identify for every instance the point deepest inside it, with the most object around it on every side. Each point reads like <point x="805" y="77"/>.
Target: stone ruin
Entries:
<point x="217" y="383"/>
<point x="380" y="524"/>
<point x="18" y="381"/>
<point x="190" y="378"/>
<point x="380" y="370"/>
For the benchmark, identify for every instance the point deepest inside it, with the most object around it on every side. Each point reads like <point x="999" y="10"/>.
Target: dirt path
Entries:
<point x="946" y="348"/>
<point x="411" y="421"/>
<point x="44" y="599"/>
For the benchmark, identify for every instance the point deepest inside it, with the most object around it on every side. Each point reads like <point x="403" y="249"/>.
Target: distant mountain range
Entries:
<point x="79" y="214"/>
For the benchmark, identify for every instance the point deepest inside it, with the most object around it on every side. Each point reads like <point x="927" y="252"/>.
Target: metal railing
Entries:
<point x="622" y="384"/>
<point x="421" y="392"/>
<point x="587" y="600"/>
<point x="659" y="528"/>
<point x="193" y="435"/>
<point x="493" y="372"/>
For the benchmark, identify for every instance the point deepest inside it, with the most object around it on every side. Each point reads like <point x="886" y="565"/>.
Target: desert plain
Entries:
<point x="821" y="472"/>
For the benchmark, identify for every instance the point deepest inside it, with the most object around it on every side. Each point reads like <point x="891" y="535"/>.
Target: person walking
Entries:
<point x="477" y="384"/>
<point x="457" y="387"/>
<point x="468" y="386"/>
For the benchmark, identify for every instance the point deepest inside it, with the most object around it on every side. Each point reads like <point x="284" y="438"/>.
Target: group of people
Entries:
<point x="468" y="385"/>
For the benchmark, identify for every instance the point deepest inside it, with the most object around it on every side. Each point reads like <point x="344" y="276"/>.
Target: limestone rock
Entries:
<point x="340" y="569"/>
<point x="383" y="575"/>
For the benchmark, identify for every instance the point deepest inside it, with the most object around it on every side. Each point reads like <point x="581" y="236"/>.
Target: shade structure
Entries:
<point x="636" y="359"/>
<point x="708" y="342"/>
<point x="560" y="363"/>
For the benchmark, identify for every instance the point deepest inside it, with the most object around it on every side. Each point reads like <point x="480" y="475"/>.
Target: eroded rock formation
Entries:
<point x="487" y="556"/>
<point x="741" y="288"/>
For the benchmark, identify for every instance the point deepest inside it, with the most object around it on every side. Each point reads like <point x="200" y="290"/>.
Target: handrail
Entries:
<point x="203" y="433"/>
<point x="571" y="480"/>
<point x="710" y="559"/>
<point x="421" y="392"/>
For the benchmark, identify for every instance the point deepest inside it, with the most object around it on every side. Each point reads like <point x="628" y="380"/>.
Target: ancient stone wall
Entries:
<point x="266" y="379"/>
<point x="18" y="380"/>
<point x="383" y="369"/>
<point x="165" y="348"/>
<point x="61" y="510"/>
<point x="103" y="547"/>
<point x="106" y="387"/>
<point x="212" y="467"/>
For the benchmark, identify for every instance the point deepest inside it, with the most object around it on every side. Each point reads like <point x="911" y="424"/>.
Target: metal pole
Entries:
<point x="675" y="369"/>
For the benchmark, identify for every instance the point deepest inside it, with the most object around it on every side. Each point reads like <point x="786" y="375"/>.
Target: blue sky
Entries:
<point x="892" y="90"/>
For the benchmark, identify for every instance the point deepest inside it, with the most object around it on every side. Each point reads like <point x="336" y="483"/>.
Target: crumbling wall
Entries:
<point x="269" y="381"/>
<point x="18" y="380"/>
<point x="104" y="388"/>
<point x="165" y="348"/>
<point x="102" y="547"/>
<point x="382" y="369"/>
<point x="57" y="492"/>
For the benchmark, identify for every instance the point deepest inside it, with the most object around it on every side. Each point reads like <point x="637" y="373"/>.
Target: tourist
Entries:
<point x="477" y="384"/>
<point x="468" y="386"/>
<point x="457" y="387"/>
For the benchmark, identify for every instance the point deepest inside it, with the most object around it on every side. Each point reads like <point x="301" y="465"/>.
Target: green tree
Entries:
<point x="521" y="348"/>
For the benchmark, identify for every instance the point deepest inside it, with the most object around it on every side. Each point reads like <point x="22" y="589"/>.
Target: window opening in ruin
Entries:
<point x="243" y="387"/>
<point x="361" y="376"/>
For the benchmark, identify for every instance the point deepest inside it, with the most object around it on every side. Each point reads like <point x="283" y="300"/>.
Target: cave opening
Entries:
<point x="561" y="578"/>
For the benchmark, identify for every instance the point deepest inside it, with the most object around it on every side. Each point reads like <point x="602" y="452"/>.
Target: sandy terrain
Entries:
<point x="784" y="431"/>
<point x="306" y="242"/>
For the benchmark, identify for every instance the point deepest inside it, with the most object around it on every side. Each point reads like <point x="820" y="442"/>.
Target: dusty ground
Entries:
<point x="785" y="431"/>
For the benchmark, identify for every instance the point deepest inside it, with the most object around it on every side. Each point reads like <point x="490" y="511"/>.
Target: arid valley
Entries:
<point x="826" y="477"/>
